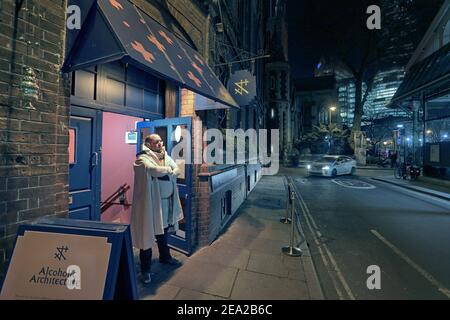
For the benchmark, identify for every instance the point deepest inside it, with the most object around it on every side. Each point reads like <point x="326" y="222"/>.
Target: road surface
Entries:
<point x="352" y="223"/>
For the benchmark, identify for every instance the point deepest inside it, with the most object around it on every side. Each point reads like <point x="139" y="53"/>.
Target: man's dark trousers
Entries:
<point x="164" y="252"/>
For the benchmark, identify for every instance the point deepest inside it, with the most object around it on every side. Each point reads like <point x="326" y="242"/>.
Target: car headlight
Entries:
<point x="326" y="168"/>
<point x="308" y="166"/>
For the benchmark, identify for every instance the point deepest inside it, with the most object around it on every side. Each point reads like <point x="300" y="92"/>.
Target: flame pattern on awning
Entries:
<point x="125" y="32"/>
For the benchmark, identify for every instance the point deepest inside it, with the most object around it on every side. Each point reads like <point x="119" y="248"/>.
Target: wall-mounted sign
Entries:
<point x="242" y="87"/>
<point x="72" y="145"/>
<point x="71" y="259"/>
<point x="131" y="137"/>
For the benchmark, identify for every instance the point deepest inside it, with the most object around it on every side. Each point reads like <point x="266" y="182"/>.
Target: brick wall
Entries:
<point x="33" y="144"/>
<point x="187" y="103"/>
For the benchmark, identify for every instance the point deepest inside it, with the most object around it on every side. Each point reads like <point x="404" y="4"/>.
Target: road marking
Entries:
<point x="354" y="184"/>
<point x="425" y="274"/>
<point x="302" y="180"/>
<point x="340" y="276"/>
<point x="322" y="256"/>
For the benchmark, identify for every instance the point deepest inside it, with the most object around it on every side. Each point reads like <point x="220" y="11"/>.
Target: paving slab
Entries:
<point x="268" y="246"/>
<point x="164" y="292"/>
<point x="205" y="277"/>
<point x="225" y="255"/>
<point x="251" y="285"/>
<point x="187" y="294"/>
<point x="268" y="264"/>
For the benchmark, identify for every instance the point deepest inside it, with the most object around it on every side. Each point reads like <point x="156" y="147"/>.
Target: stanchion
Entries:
<point x="291" y="250"/>
<point x="287" y="220"/>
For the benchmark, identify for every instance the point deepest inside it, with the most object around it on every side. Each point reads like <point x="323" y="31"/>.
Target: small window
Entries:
<point x="228" y="197"/>
<point x="226" y="205"/>
<point x="272" y="83"/>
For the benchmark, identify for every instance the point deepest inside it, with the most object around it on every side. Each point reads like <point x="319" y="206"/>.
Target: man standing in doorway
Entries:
<point x="156" y="203"/>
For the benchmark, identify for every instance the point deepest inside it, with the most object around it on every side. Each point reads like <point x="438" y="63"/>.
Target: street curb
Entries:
<point x="413" y="189"/>
<point x="312" y="279"/>
<point x="301" y="166"/>
<point x="375" y="168"/>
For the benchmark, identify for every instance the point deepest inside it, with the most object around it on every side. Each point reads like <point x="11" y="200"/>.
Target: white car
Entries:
<point x="331" y="166"/>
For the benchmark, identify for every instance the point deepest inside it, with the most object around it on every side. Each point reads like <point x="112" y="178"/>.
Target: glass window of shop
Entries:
<point x="437" y="122"/>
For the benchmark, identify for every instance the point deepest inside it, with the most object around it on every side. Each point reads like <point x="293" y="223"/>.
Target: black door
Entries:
<point x="85" y="163"/>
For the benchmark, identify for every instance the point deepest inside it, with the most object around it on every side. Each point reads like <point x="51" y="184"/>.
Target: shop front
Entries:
<point x="425" y="92"/>
<point x="132" y="77"/>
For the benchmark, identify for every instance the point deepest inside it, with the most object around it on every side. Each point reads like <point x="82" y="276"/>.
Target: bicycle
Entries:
<point x="406" y="171"/>
<point x="412" y="172"/>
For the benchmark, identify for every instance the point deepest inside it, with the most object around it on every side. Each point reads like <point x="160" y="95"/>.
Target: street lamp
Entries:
<point x="331" y="109"/>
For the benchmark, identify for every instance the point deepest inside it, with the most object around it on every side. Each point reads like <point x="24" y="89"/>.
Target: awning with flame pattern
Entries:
<point x="119" y="30"/>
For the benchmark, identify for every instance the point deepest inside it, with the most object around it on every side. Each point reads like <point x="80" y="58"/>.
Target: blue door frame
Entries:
<point x="85" y="170"/>
<point x="185" y="190"/>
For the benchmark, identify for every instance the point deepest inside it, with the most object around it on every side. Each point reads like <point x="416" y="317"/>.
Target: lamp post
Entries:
<point x="331" y="109"/>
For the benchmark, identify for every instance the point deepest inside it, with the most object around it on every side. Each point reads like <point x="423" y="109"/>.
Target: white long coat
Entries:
<point x="146" y="213"/>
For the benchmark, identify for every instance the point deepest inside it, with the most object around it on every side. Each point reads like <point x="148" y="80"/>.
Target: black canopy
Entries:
<point x="425" y="73"/>
<point x="119" y="30"/>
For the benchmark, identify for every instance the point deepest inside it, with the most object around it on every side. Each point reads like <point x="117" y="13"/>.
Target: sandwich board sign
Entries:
<point x="61" y="259"/>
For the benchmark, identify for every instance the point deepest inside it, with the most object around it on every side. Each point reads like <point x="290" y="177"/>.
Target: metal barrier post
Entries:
<point x="287" y="220"/>
<point x="291" y="250"/>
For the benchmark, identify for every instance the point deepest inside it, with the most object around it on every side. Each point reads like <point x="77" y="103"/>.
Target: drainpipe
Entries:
<point x="206" y="37"/>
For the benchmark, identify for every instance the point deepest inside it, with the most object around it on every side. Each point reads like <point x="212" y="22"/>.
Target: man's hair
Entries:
<point x="151" y="137"/>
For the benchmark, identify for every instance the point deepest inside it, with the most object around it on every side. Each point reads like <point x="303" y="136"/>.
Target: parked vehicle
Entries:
<point x="331" y="166"/>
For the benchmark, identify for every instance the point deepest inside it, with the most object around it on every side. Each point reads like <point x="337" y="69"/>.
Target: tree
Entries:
<point x="363" y="51"/>
<point x="329" y="139"/>
<point x="352" y="43"/>
<point x="378" y="130"/>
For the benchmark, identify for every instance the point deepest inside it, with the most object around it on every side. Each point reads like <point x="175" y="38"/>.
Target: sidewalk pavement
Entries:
<point x="245" y="262"/>
<point x="425" y="186"/>
<point x="372" y="167"/>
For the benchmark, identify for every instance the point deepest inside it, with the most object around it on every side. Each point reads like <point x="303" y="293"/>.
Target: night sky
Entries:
<point x="308" y="21"/>
<point x="305" y="45"/>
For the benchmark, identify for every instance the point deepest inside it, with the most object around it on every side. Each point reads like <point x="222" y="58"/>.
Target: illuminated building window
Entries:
<point x="446" y="35"/>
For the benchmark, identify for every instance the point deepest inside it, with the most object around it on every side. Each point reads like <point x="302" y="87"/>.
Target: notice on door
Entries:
<point x="57" y="266"/>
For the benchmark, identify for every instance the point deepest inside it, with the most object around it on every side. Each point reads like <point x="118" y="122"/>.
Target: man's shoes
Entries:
<point x="146" y="278"/>
<point x="171" y="262"/>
